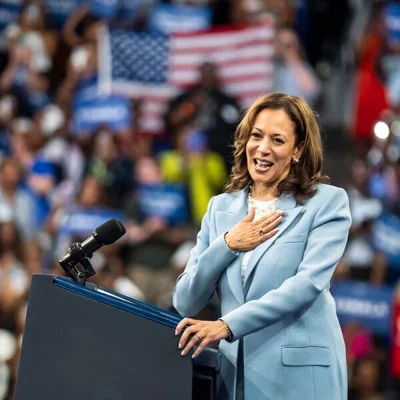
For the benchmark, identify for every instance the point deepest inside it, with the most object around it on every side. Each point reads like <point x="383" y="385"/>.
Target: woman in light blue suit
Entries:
<point x="279" y="335"/>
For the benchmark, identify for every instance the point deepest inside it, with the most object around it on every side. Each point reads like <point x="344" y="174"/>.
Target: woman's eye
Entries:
<point x="256" y="135"/>
<point x="279" y="141"/>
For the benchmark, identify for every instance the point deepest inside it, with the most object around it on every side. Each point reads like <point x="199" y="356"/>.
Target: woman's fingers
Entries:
<point x="185" y="336"/>
<point x="271" y="225"/>
<point x="270" y="218"/>
<point x="182" y="324"/>
<point x="200" y="348"/>
<point x="250" y="216"/>
<point x="269" y="235"/>
<point x="196" y="339"/>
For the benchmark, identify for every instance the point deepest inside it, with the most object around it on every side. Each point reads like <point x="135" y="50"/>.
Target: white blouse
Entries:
<point x="262" y="209"/>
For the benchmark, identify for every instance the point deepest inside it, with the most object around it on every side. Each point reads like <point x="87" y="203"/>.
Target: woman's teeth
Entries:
<point x="263" y="164"/>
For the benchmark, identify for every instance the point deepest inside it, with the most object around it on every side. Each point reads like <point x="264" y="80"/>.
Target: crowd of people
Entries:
<point x="57" y="184"/>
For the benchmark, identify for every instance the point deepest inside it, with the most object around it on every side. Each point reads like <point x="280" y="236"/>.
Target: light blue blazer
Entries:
<point x="284" y="314"/>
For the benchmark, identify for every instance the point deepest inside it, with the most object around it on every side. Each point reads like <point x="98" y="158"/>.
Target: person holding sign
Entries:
<point x="268" y="247"/>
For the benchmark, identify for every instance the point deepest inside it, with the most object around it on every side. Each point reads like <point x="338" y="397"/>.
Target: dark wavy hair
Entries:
<point x="302" y="176"/>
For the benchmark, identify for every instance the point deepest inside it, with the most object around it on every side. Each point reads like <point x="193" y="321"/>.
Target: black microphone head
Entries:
<point x="109" y="232"/>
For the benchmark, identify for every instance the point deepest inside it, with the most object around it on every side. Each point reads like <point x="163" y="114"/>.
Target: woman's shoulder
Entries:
<point x="326" y="193"/>
<point x="224" y="200"/>
<point x="326" y="189"/>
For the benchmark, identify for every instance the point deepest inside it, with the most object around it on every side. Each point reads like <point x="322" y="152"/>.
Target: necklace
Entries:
<point x="262" y="207"/>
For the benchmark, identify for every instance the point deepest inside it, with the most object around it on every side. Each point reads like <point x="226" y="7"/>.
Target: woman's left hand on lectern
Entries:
<point x="200" y="333"/>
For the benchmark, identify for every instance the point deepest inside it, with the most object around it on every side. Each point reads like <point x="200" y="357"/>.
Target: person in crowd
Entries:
<point x="293" y="75"/>
<point x="8" y="112"/>
<point x="14" y="196"/>
<point x="14" y="279"/>
<point x="244" y="12"/>
<point x="111" y="166"/>
<point x="81" y="75"/>
<point x="38" y="172"/>
<point x="32" y="44"/>
<point x="366" y="380"/>
<point x="153" y="232"/>
<point x="360" y="260"/>
<point x="211" y="109"/>
<point x="387" y="229"/>
<point x="370" y="95"/>
<point x="193" y="164"/>
<point x="359" y="341"/>
<point x="63" y="151"/>
<point x="269" y="247"/>
<point x="110" y="274"/>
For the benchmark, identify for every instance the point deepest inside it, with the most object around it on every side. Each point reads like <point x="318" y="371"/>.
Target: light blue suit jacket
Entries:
<point x="284" y="313"/>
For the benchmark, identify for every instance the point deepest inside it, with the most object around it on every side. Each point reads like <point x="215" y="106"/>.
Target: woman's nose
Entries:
<point x="264" y="146"/>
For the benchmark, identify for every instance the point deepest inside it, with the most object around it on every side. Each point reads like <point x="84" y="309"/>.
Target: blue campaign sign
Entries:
<point x="87" y="89"/>
<point x="129" y="9"/>
<point x="368" y="304"/>
<point x="393" y="22"/>
<point x="83" y="221"/>
<point x="60" y="10"/>
<point x="9" y="12"/>
<point x="169" y="18"/>
<point x="113" y="111"/>
<point x="104" y="8"/>
<point x="386" y="238"/>
<point x="166" y="201"/>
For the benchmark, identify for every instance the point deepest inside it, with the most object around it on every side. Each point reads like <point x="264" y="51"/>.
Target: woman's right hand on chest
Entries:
<point x="247" y="234"/>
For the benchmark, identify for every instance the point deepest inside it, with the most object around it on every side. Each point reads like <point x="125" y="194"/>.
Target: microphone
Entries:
<point x="107" y="233"/>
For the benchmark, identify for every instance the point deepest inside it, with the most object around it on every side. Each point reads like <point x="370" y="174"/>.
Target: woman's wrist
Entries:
<point x="229" y="337"/>
<point x="227" y="241"/>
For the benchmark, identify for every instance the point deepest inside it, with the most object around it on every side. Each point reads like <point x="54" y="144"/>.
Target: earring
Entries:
<point x="295" y="161"/>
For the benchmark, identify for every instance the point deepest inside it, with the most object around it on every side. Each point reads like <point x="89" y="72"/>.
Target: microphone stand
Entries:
<point x="77" y="264"/>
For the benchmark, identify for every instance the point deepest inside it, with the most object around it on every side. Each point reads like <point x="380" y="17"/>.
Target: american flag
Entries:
<point x="156" y="67"/>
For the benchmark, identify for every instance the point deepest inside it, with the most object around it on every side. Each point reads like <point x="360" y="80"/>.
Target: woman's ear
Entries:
<point x="298" y="151"/>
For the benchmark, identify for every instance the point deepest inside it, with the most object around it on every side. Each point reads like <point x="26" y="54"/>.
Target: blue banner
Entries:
<point x="113" y="111"/>
<point x="83" y="221"/>
<point x="168" y="18"/>
<point x="104" y="8"/>
<point x="364" y="303"/>
<point x="9" y="12"/>
<point x="386" y="238"/>
<point x="129" y="9"/>
<point x="88" y="89"/>
<point x="60" y="10"/>
<point x="393" y="23"/>
<point x="165" y="201"/>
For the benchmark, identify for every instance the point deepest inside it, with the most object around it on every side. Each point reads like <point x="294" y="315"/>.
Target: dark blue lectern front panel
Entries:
<point x="83" y="345"/>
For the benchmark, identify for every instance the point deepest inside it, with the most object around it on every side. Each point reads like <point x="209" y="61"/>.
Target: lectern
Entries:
<point x="82" y="342"/>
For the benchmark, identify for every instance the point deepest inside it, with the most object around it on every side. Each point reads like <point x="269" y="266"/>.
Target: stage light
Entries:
<point x="381" y="130"/>
<point x="395" y="128"/>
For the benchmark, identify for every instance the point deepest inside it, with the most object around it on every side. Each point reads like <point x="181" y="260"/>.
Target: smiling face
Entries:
<point x="271" y="147"/>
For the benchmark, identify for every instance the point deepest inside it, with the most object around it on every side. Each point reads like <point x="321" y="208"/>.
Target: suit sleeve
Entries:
<point x="325" y="245"/>
<point x="196" y="285"/>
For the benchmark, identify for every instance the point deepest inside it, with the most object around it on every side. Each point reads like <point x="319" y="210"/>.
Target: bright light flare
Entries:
<point x="381" y="130"/>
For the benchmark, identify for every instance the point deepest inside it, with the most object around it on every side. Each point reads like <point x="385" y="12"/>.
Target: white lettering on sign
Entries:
<point x="362" y="307"/>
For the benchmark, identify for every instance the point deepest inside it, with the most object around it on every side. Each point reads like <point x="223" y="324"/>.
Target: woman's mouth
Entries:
<point x="262" y="165"/>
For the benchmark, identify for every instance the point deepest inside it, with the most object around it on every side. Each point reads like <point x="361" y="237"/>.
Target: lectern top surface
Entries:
<point x="120" y="301"/>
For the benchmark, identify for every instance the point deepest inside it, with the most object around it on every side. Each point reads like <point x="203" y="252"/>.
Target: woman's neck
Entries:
<point x="262" y="192"/>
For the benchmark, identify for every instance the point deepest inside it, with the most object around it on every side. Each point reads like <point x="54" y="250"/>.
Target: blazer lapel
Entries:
<point x="287" y="203"/>
<point x="226" y="220"/>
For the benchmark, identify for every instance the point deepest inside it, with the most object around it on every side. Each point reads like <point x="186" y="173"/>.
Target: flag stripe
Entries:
<point x="221" y="40"/>
<point x="227" y="75"/>
<point x="224" y="56"/>
<point x="243" y="57"/>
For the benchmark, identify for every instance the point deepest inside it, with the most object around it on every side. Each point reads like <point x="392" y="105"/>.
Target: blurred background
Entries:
<point x="126" y="109"/>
